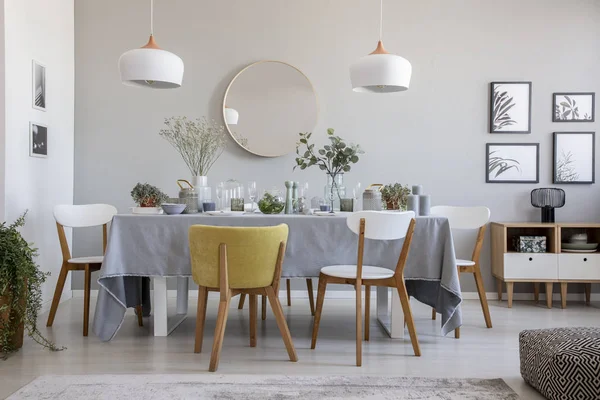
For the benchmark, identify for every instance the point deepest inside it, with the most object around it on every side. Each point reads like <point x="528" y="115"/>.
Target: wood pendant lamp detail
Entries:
<point x="380" y="71"/>
<point x="150" y="66"/>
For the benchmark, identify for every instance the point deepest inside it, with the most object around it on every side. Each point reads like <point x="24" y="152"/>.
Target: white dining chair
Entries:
<point x="469" y="218"/>
<point x="80" y="216"/>
<point x="374" y="225"/>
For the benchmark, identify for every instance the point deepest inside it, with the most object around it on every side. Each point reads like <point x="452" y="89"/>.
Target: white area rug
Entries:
<point x="255" y="387"/>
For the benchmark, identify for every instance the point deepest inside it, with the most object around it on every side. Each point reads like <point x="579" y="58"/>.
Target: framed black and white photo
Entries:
<point x="38" y="140"/>
<point x="574" y="157"/>
<point x="573" y="107"/>
<point x="510" y="107"/>
<point x="39" y="86"/>
<point x="512" y="163"/>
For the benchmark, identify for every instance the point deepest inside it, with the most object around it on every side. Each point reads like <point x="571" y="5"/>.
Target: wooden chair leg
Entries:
<point x="253" y="316"/>
<point x="311" y="299"/>
<point x="536" y="291"/>
<point x="457" y="333"/>
<point x="499" y="288"/>
<point x="563" y="295"/>
<point x="60" y="285"/>
<point x="200" y="318"/>
<point x="367" y="311"/>
<point x="242" y="300"/>
<point x="408" y="317"/>
<point x="219" y="333"/>
<point x="588" y="293"/>
<point x="283" y="328"/>
<point x="433" y="314"/>
<point x="509" y="293"/>
<point x="140" y="314"/>
<point x="289" y="292"/>
<point x="86" y="299"/>
<point x="264" y="307"/>
<point x="320" y="300"/>
<point x="482" y="297"/>
<point x="549" y="287"/>
<point x="359" y="323"/>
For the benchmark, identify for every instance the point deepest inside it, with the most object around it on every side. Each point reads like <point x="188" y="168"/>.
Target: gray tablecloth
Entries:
<point x="145" y="246"/>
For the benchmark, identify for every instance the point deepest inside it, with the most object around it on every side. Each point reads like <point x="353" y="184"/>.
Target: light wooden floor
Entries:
<point x="480" y="353"/>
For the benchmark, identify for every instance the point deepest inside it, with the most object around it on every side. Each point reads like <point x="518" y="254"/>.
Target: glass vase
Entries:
<point x="335" y="190"/>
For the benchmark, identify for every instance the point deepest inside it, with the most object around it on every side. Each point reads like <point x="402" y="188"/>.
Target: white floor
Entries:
<point x="480" y="353"/>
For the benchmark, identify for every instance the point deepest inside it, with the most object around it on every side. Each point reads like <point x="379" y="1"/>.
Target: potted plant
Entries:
<point x="146" y="195"/>
<point x="334" y="158"/>
<point x="20" y="290"/>
<point x="200" y="143"/>
<point x="395" y="196"/>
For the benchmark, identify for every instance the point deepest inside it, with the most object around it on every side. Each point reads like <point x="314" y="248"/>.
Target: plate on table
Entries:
<point x="325" y="213"/>
<point x="578" y="251"/>
<point x="225" y="213"/>
<point x="146" y="210"/>
<point x="579" y="246"/>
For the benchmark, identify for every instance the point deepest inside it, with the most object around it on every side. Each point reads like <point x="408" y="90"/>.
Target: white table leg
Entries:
<point x="392" y="322"/>
<point x="163" y="324"/>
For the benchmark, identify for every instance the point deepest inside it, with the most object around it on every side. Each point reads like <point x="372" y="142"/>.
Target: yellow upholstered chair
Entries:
<point x="238" y="260"/>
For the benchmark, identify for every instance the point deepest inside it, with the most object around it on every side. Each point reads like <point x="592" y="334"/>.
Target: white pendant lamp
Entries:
<point x="150" y="66"/>
<point x="380" y="71"/>
<point x="231" y="116"/>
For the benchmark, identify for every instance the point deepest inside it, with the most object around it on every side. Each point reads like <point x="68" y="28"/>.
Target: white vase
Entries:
<point x="199" y="180"/>
<point x="200" y="183"/>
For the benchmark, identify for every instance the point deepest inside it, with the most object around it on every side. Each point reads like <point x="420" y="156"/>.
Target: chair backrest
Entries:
<point x="381" y="225"/>
<point x="81" y="216"/>
<point x="463" y="217"/>
<point x="251" y="252"/>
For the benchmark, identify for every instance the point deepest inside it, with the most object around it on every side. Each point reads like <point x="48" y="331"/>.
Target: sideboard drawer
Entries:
<point x="530" y="266"/>
<point x="579" y="266"/>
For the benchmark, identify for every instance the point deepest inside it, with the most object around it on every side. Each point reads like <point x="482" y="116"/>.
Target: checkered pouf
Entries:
<point x="562" y="363"/>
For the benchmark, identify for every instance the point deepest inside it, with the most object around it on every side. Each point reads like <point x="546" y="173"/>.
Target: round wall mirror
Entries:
<point x="266" y="105"/>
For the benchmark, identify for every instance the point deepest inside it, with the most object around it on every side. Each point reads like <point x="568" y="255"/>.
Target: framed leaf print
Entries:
<point x="512" y="163"/>
<point x="510" y="107"/>
<point x="574" y="157"/>
<point x="573" y="107"/>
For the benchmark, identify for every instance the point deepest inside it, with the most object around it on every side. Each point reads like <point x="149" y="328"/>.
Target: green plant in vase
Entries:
<point x="334" y="158"/>
<point x="146" y="195"/>
<point x="395" y="196"/>
<point x="20" y="290"/>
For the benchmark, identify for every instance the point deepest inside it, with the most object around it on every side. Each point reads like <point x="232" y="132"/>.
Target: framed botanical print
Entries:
<point x="574" y="157"/>
<point x="512" y="163"/>
<point x="510" y="107"/>
<point x="573" y="107"/>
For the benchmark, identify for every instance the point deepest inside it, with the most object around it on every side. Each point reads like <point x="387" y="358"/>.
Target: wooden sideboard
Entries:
<point x="554" y="266"/>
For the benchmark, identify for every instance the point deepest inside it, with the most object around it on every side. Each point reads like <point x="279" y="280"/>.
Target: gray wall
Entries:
<point x="434" y="134"/>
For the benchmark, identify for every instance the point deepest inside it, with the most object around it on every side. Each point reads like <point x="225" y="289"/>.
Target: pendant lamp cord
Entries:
<point x="151" y="17"/>
<point x="381" y="20"/>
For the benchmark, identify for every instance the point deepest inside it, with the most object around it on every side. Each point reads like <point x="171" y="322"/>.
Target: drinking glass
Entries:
<point x="252" y="194"/>
<point x="219" y="193"/>
<point x="356" y="194"/>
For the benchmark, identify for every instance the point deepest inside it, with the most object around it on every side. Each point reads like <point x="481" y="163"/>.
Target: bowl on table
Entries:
<point x="173" y="209"/>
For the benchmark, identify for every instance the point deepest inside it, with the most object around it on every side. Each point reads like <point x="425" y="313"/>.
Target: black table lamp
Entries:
<point x="547" y="199"/>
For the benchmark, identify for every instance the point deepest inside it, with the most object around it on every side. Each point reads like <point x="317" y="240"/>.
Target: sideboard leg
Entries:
<point x="499" y="288"/>
<point x="509" y="293"/>
<point x="536" y="292"/>
<point x="588" y="293"/>
<point x="563" y="294"/>
<point x="549" y="294"/>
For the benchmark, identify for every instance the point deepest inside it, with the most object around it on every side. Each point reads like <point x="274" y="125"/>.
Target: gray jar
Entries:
<point x="372" y="197"/>
<point x="189" y="197"/>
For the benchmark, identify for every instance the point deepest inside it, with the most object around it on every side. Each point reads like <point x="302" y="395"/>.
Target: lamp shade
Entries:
<point x="380" y="73"/>
<point x="152" y="68"/>
<point x="231" y="116"/>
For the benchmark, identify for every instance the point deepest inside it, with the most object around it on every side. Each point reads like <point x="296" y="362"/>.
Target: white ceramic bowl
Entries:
<point x="173" y="209"/>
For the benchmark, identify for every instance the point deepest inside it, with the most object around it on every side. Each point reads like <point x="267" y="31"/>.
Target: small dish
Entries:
<point x="579" y="246"/>
<point x="173" y="209"/>
<point x="325" y="213"/>
<point x="578" y="251"/>
<point x="146" y="210"/>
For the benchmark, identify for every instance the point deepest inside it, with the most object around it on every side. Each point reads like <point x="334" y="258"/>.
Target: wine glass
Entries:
<point x="219" y="193"/>
<point x="252" y="194"/>
<point x="356" y="192"/>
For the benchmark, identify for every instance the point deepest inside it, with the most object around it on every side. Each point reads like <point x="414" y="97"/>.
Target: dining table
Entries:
<point x="144" y="248"/>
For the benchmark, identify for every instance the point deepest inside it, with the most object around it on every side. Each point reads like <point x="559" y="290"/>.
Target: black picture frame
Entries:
<point x="568" y="95"/>
<point x="488" y="165"/>
<point x="505" y="117"/>
<point x="38" y="140"/>
<point x="561" y="180"/>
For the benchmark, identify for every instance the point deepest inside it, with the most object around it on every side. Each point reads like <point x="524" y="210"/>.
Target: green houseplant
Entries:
<point x="20" y="290"/>
<point x="334" y="158"/>
<point x="395" y="196"/>
<point x="146" y="195"/>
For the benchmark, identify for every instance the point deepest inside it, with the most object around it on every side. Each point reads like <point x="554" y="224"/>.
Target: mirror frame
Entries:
<point x="240" y="73"/>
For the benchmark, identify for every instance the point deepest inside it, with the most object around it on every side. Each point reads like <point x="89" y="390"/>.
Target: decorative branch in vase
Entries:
<point x="200" y="143"/>
<point x="334" y="158"/>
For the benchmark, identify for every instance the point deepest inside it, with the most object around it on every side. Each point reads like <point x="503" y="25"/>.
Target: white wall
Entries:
<point x="434" y="134"/>
<point x="42" y="30"/>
